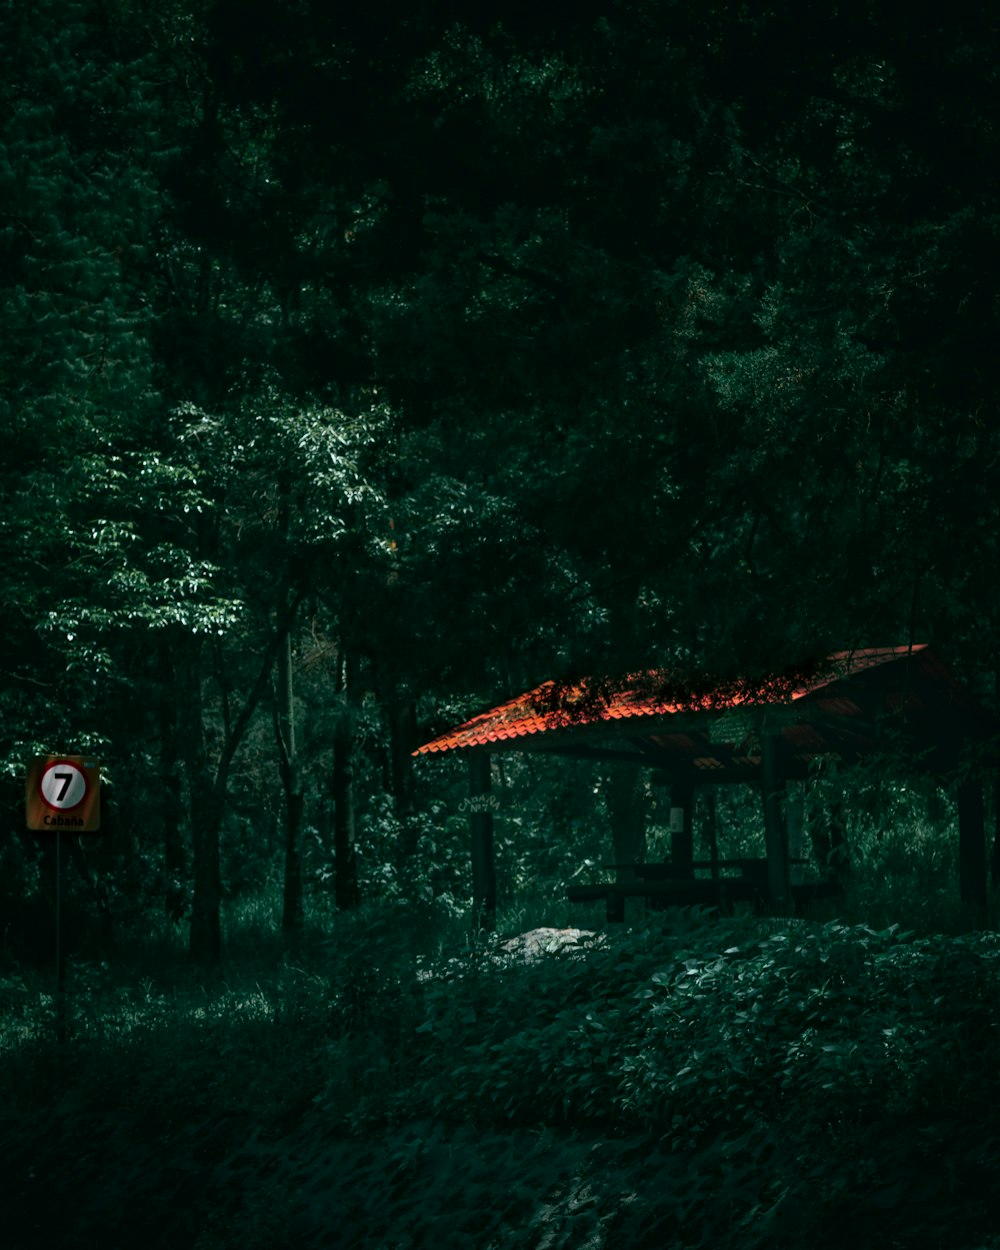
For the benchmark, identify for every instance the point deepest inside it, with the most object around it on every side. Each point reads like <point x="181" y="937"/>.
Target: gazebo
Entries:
<point x="848" y="706"/>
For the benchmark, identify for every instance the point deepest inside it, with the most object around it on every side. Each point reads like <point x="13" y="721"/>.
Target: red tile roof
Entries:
<point x="561" y="706"/>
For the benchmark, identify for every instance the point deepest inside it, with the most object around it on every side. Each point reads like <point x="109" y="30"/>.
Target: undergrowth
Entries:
<point x="684" y="1025"/>
<point x="802" y="1048"/>
<point x="815" y="1026"/>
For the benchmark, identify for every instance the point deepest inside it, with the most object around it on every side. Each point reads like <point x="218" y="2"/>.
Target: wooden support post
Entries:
<point x="711" y="829"/>
<point x="484" y="876"/>
<point x="775" y="836"/>
<point x="712" y="835"/>
<point x="972" y="844"/>
<point x="682" y="828"/>
<point x="795" y="820"/>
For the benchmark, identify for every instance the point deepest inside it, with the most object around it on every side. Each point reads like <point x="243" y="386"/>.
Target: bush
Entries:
<point x="701" y="1028"/>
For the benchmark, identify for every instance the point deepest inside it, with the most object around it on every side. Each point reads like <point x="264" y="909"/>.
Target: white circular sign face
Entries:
<point x="63" y="786"/>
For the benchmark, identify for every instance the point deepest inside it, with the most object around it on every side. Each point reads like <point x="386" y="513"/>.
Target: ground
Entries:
<point x="119" y="1181"/>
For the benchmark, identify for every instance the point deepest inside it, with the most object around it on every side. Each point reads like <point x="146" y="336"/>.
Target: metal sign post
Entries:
<point x="60" y="970"/>
<point x="62" y="794"/>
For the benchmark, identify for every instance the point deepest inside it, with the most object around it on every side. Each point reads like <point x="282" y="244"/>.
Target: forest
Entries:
<point x="362" y="367"/>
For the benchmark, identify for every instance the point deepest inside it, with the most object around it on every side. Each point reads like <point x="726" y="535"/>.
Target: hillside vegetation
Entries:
<point x="686" y="1082"/>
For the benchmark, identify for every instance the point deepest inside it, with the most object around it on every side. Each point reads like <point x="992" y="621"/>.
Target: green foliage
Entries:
<point x="759" y="1054"/>
<point x="75" y="218"/>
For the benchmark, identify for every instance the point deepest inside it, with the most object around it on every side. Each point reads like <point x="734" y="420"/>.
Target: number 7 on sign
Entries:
<point x="63" y="786"/>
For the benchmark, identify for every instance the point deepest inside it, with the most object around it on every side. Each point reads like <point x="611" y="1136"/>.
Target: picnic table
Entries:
<point x="675" y="885"/>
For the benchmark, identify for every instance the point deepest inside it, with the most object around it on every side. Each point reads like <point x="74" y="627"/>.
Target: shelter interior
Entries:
<point x="848" y="706"/>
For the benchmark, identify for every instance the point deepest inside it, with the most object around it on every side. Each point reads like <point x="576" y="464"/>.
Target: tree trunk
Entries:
<point x="284" y="732"/>
<point x="484" y="873"/>
<point x="402" y="717"/>
<point x="208" y="785"/>
<point x="206" y="824"/>
<point x="174" y="860"/>
<point x="995" y="853"/>
<point x="972" y="846"/>
<point x="292" y="911"/>
<point x="346" y="893"/>
<point x="775" y="833"/>
<point x="995" y="857"/>
<point x="206" y="820"/>
<point x="625" y="796"/>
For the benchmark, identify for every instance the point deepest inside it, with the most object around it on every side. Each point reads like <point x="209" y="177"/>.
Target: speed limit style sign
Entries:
<point x="63" y="793"/>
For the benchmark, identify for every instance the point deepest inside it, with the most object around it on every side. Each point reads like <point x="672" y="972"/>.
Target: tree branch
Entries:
<point x="535" y="276"/>
<point x="260" y="686"/>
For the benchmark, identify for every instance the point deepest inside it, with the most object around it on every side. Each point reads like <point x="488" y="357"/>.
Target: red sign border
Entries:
<point x="66" y="764"/>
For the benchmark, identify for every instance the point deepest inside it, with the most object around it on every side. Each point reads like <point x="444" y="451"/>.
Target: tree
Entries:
<point x="711" y="287"/>
<point x="627" y="336"/>
<point x="74" y="361"/>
